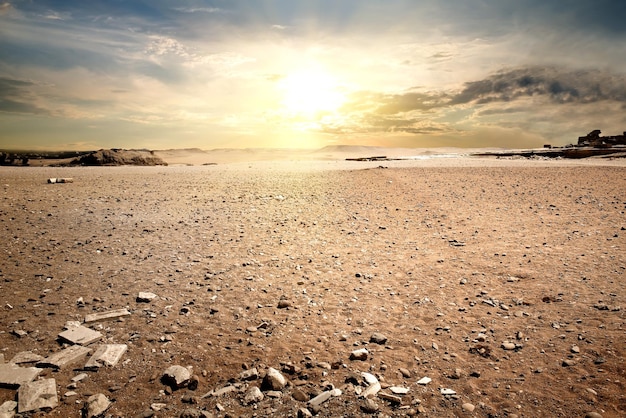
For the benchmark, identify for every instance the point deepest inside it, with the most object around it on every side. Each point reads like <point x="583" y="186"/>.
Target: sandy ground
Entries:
<point x="502" y="280"/>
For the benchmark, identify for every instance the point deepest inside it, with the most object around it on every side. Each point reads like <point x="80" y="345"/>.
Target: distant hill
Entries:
<point x="116" y="156"/>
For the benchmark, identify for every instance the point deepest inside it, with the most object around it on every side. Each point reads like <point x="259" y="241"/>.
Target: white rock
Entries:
<point x="146" y="297"/>
<point x="96" y="405"/>
<point x="274" y="379"/>
<point x="360" y="354"/>
<point x="424" y="381"/>
<point x="253" y="395"/>
<point x="399" y="390"/>
<point x="369" y="378"/>
<point x="371" y="390"/>
<point x="176" y="376"/>
<point x="447" y="392"/>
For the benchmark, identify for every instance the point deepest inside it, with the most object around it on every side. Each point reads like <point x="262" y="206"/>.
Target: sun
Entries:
<point x="310" y="93"/>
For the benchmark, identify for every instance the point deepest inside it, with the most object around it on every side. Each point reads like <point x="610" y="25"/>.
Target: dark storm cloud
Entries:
<point x="560" y="86"/>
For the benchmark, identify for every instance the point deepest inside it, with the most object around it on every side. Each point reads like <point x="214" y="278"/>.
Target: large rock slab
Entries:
<point x="106" y="355"/>
<point x="101" y="316"/>
<point x="24" y="357"/>
<point x="80" y="335"/>
<point x="41" y="394"/>
<point x="64" y="357"/>
<point x="12" y="375"/>
<point x="7" y="409"/>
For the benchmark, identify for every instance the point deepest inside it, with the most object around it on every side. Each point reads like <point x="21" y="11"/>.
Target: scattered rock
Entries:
<point x="274" y="380"/>
<point x="80" y="335"/>
<point x="378" y="338"/>
<point x="64" y="357"/>
<point x="593" y="415"/>
<point x="7" y="409"/>
<point x="360" y="354"/>
<point x="371" y="390"/>
<point x="25" y="357"/>
<point x="12" y="375"/>
<point x="106" y="355"/>
<point x="176" y="376"/>
<point x="508" y="345"/>
<point x="369" y="406"/>
<point x="96" y="405"/>
<point x="468" y="407"/>
<point x="424" y="381"/>
<point x="101" y="316"/>
<point x="253" y="395"/>
<point x="145" y="297"/>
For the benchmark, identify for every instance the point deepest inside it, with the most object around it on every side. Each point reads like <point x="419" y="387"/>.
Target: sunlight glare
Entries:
<point x="310" y="93"/>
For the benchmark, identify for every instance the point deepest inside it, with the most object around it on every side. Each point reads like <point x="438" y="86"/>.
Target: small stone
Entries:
<point x="79" y="377"/>
<point x="176" y="376"/>
<point x="157" y="406"/>
<point x="283" y="303"/>
<point x="371" y="390"/>
<point x="468" y="407"/>
<point x="447" y="392"/>
<point x="369" y="406"/>
<point x="405" y="373"/>
<point x="424" y="381"/>
<point x="360" y="354"/>
<point x="508" y="345"/>
<point x="378" y="338"/>
<point x="253" y="395"/>
<point x="399" y="390"/>
<point x="274" y="380"/>
<point x="593" y="392"/>
<point x="369" y="378"/>
<point x="320" y="399"/>
<point x="568" y="363"/>
<point x="250" y="374"/>
<point x="40" y="394"/>
<point x="299" y="395"/>
<point x="146" y="297"/>
<point x="390" y="398"/>
<point x="100" y="316"/>
<point x="575" y="349"/>
<point x="593" y="415"/>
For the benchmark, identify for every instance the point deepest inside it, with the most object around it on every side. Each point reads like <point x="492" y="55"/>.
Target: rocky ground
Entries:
<point x="432" y="291"/>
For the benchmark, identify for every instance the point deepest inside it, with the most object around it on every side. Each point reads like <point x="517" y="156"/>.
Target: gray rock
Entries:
<point x="424" y="380"/>
<point x="390" y="398"/>
<point x="106" y="355"/>
<point x="253" y="395"/>
<point x="274" y="380"/>
<point x="195" y="413"/>
<point x="41" y="394"/>
<point x="80" y="335"/>
<point x="378" y="338"/>
<point x="176" y="376"/>
<point x="304" y="413"/>
<point x="12" y="375"/>
<point x="251" y="374"/>
<point x="321" y="398"/>
<point x="96" y="405"/>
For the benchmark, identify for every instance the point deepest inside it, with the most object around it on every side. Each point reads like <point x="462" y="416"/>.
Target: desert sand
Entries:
<point x="501" y="281"/>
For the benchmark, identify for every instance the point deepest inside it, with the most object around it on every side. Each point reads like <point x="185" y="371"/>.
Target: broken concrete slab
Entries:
<point x="80" y="335"/>
<point x="96" y="405"/>
<point x="40" y="394"/>
<point x="106" y="355"/>
<point x="66" y="356"/>
<point x="12" y="375"/>
<point x="101" y="316"/>
<point x="24" y="357"/>
<point x="7" y="409"/>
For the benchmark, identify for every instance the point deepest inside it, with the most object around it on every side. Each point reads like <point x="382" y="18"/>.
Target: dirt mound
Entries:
<point x="114" y="157"/>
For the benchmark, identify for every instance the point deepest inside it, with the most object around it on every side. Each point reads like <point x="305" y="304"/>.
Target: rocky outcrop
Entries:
<point x="116" y="156"/>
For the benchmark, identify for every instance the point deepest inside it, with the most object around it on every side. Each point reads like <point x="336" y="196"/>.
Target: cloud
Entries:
<point x="15" y="95"/>
<point x="5" y="7"/>
<point x="558" y="85"/>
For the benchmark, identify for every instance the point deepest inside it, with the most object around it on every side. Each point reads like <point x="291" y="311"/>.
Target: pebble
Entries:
<point x="405" y="373"/>
<point x="575" y="349"/>
<point x="568" y="363"/>
<point x="145" y="297"/>
<point x="468" y="407"/>
<point x="593" y="415"/>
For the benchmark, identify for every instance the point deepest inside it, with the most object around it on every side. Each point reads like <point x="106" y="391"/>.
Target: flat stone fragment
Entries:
<point x="146" y="297"/>
<point x="12" y="375"/>
<point x="371" y="390"/>
<point x="447" y="392"/>
<point x="424" y="381"/>
<point x="390" y="398"/>
<point x="26" y="357"/>
<point x="398" y="390"/>
<point x="7" y="409"/>
<point x="66" y="356"/>
<point x="321" y="398"/>
<point x="41" y="394"/>
<point x="96" y="405"/>
<point x="106" y="355"/>
<point x="100" y="316"/>
<point x="80" y="335"/>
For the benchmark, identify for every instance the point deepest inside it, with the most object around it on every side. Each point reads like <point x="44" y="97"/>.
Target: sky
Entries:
<point x="157" y="74"/>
